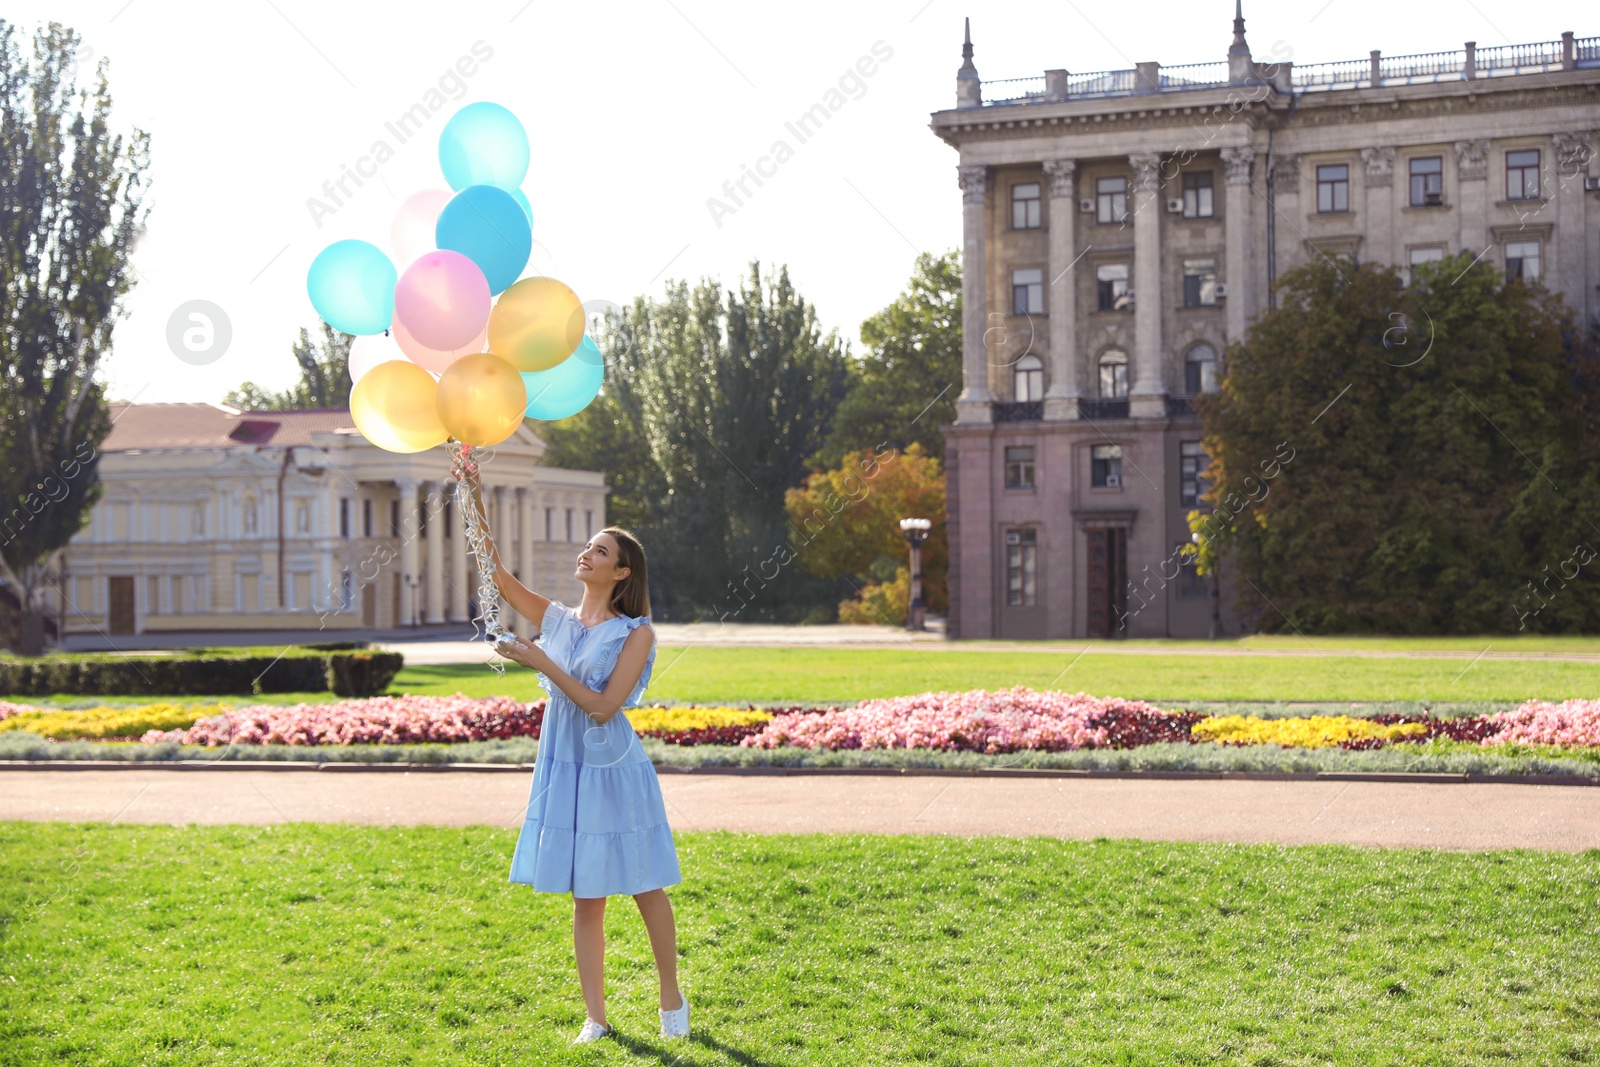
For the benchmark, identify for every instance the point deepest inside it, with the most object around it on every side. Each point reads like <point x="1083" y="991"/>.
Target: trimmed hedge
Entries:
<point x="203" y="672"/>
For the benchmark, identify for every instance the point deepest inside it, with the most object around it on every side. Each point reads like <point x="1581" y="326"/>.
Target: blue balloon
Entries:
<point x="351" y="284"/>
<point x="487" y="225"/>
<point x="569" y="386"/>
<point x="527" y="208"/>
<point x="484" y="144"/>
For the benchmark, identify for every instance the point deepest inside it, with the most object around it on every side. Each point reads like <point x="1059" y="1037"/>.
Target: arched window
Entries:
<point x="1113" y="375"/>
<point x="1028" y="378"/>
<point x="1200" y="370"/>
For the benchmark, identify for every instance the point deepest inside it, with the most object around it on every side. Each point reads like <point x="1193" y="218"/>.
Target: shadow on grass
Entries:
<point x="674" y="1053"/>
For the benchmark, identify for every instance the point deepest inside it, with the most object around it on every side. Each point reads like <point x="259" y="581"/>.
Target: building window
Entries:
<point x="1025" y="207"/>
<point x="1022" y="567"/>
<point x="1113" y="375"/>
<point x="177" y="596"/>
<point x="588" y="524"/>
<point x="1105" y="466"/>
<point x="1427" y="181"/>
<point x="1027" y="378"/>
<point x="153" y="603"/>
<point x="549" y="524"/>
<point x="1200" y="370"/>
<point x="366" y="518"/>
<point x="1027" y="292"/>
<point x="1191" y="584"/>
<point x="1019" y="467"/>
<point x="1522" y="260"/>
<point x="344" y="516"/>
<point x="1192" y="464"/>
<point x="394" y="518"/>
<point x="1111" y="199"/>
<point x="447" y="518"/>
<point x="1333" y="188"/>
<point x="302" y="519"/>
<point x="1522" y="175"/>
<point x="1112" y="280"/>
<point x="197" y="520"/>
<point x="1197" y="202"/>
<point x="1199" y="282"/>
<point x="569" y="524"/>
<point x="1420" y="256"/>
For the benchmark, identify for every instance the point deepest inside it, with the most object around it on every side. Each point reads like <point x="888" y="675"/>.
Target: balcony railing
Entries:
<point x="1178" y="406"/>
<point x="1102" y="409"/>
<point x="1424" y="67"/>
<point x="1018" y="410"/>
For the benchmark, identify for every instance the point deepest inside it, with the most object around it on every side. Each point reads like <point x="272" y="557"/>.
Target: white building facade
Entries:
<point x="217" y="520"/>
<point x="1121" y="228"/>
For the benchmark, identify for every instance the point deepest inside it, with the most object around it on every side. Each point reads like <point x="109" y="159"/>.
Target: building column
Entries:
<point x="1148" y="395"/>
<point x="526" y="627"/>
<point x="1564" y="268"/>
<point x="973" y="403"/>
<point x="410" y="571"/>
<point x="1472" y="172"/>
<point x="1381" y="223"/>
<point x="458" y="592"/>
<point x="1061" y="399"/>
<point x="1285" y="179"/>
<point x="434" y="502"/>
<point x="1239" y="278"/>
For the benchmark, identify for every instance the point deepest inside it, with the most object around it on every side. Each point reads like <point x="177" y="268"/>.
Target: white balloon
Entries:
<point x="369" y="350"/>
<point x="412" y="232"/>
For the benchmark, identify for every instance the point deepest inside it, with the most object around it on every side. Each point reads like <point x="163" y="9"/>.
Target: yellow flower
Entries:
<point x="675" y="720"/>
<point x="1318" y="731"/>
<point x="110" y="722"/>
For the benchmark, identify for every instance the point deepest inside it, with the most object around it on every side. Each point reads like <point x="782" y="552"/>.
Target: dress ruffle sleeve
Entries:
<point x="606" y="663"/>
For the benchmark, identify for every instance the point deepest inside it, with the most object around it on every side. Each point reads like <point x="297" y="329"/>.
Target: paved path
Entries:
<point x="1391" y="814"/>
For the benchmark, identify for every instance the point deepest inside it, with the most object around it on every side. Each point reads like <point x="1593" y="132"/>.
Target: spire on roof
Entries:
<point x="967" y="69"/>
<point x="969" y="90"/>
<point x="1239" y="46"/>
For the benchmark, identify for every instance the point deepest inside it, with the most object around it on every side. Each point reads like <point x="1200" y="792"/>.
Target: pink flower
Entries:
<point x="1537" y="722"/>
<point x="370" y="721"/>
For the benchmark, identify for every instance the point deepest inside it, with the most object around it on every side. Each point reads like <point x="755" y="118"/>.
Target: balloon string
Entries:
<point x="481" y="542"/>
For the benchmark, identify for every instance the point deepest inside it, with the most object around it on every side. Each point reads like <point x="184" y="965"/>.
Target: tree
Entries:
<point x="1408" y="459"/>
<point x="324" y="377"/>
<point x="905" y="388"/>
<point x="714" y="401"/>
<point x="846" y="523"/>
<point x="71" y="207"/>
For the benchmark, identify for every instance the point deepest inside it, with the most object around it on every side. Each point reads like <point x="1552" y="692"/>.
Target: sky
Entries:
<point x="638" y="113"/>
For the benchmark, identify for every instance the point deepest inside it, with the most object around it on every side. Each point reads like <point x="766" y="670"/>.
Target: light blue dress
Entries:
<point x="596" y="824"/>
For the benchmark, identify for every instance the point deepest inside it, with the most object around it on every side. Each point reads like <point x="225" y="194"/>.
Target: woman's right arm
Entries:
<point x="523" y="601"/>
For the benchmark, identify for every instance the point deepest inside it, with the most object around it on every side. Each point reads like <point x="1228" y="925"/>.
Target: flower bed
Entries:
<point x="102" y="722"/>
<point x="369" y="721"/>
<point x="1318" y="731"/>
<point x="1574" y="723"/>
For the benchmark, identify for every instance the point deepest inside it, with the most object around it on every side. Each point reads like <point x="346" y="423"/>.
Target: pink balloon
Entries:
<point x="443" y="300"/>
<point x="434" y="360"/>
<point x="412" y="232"/>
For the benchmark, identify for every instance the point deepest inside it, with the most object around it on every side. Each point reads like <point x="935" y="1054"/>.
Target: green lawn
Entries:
<point x="771" y="675"/>
<point x="305" y="944"/>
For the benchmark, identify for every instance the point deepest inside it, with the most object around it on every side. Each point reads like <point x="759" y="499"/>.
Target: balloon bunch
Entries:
<point x="455" y="347"/>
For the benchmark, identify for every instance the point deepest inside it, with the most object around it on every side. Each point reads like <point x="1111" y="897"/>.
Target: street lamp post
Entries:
<point x="413" y="583"/>
<point x="915" y="532"/>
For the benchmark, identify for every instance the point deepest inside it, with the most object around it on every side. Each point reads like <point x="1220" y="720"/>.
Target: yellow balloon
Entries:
<point x="481" y="399"/>
<point x="536" y="323"/>
<point x="394" y="407"/>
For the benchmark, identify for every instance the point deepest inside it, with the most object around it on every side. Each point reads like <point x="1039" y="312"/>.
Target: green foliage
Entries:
<point x="905" y="387"/>
<point x="1437" y="448"/>
<point x="203" y="672"/>
<point x="337" y="945"/>
<point x="324" y="377"/>
<point x="71" y="208"/>
<point x="713" y="403"/>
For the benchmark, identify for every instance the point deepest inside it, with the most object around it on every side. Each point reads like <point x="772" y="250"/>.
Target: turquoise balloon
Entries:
<point x="569" y="386"/>
<point x="487" y="225"/>
<point x="522" y="198"/>
<point x="483" y="144"/>
<point x="351" y="284"/>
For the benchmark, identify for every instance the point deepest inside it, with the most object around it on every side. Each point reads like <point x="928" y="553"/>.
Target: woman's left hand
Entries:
<point x="519" y="651"/>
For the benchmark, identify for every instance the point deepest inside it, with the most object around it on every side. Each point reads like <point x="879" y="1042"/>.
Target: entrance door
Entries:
<point x="1107" y="581"/>
<point x="122" y="617"/>
<point x="369" y="605"/>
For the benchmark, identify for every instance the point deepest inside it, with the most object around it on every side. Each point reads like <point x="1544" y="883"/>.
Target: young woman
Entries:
<point x="596" y="825"/>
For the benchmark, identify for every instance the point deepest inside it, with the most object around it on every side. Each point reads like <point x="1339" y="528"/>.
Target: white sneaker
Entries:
<point x="676" y="1023"/>
<point x="592" y="1031"/>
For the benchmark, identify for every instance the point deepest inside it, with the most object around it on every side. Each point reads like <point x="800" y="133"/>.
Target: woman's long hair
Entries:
<point x="631" y="596"/>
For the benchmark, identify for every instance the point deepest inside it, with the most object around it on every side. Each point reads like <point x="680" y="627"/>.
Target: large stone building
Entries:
<point x="214" y="519"/>
<point x="1122" y="227"/>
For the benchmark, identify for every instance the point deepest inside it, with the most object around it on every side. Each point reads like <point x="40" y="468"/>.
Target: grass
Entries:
<point x="833" y="675"/>
<point x="307" y="944"/>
